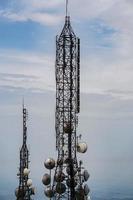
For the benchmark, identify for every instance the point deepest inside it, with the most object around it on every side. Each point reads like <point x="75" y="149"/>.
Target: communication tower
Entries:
<point x="25" y="190"/>
<point x="68" y="177"/>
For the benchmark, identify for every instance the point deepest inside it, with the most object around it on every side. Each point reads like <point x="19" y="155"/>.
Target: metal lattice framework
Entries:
<point x="68" y="179"/>
<point x="67" y="100"/>
<point x="24" y="191"/>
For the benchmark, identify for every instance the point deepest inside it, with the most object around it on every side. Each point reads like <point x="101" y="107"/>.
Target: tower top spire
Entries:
<point x="66" y="8"/>
<point x="23" y="102"/>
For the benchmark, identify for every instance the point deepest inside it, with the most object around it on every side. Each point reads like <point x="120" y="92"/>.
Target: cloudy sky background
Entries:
<point x="27" y="59"/>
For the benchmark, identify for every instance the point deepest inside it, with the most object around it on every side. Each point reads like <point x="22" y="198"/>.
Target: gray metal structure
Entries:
<point x="67" y="98"/>
<point x="24" y="190"/>
<point x="67" y="180"/>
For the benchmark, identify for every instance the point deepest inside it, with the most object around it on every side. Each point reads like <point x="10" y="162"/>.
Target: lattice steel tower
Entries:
<point x="25" y="189"/>
<point x="67" y="181"/>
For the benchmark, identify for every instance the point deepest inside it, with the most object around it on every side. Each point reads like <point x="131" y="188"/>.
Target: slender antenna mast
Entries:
<point x="66" y="7"/>
<point x="23" y="102"/>
<point x="25" y="190"/>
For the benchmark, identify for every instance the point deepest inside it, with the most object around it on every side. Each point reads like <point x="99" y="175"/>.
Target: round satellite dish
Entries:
<point x="68" y="170"/>
<point x="67" y="160"/>
<point x="82" y="147"/>
<point x="32" y="190"/>
<point x="86" y="175"/>
<point x="16" y="192"/>
<point x="26" y="171"/>
<point x="60" y="162"/>
<point x="49" y="192"/>
<point x="86" y="189"/>
<point x="68" y="183"/>
<point x="46" y="179"/>
<point x="79" y="193"/>
<point x="59" y="177"/>
<point x="67" y="127"/>
<point x="19" y="192"/>
<point x="29" y="182"/>
<point x="60" y="188"/>
<point x="49" y="163"/>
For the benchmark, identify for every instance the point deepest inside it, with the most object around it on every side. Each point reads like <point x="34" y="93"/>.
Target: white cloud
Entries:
<point x="39" y="17"/>
<point x="41" y="4"/>
<point x="44" y="18"/>
<point x="104" y="69"/>
<point x="36" y="11"/>
<point x="12" y="16"/>
<point x="89" y="9"/>
<point x="117" y="13"/>
<point x="100" y="76"/>
<point x="27" y="64"/>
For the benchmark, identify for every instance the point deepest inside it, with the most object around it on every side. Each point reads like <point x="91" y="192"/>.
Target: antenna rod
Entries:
<point x="23" y="102"/>
<point x="66" y="8"/>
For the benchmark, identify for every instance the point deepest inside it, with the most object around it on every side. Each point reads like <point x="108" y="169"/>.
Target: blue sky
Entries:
<point x="27" y="64"/>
